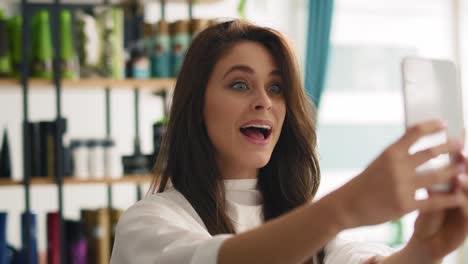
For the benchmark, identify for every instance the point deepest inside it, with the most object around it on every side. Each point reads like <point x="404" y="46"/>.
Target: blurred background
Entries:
<point x="119" y="64"/>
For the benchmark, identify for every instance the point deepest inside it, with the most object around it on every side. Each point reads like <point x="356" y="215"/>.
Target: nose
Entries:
<point x="262" y="100"/>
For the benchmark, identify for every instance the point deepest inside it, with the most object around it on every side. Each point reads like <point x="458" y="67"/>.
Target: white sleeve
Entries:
<point x="341" y="251"/>
<point x="145" y="237"/>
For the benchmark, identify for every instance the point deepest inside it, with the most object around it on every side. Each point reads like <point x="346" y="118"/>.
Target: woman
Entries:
<point x="240" y="154"/>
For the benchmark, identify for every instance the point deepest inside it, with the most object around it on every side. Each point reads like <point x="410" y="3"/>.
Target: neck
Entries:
<point x="231" y="172"/>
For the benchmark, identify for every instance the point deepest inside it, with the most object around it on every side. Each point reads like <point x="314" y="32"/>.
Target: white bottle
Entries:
<point x="112" y="160"/>
<point x="96" y="159"/>
<point x="79" y="150"/>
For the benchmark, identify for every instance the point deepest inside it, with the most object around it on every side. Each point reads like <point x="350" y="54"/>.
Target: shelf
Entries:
<point x="91" y="2"/>
<point x="152" y="84"/>
<point x="75" y="181"/>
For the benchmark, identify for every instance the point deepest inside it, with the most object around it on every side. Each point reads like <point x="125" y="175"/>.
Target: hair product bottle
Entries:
<point x="5" y="63"/>
<point x="31" y="231"/>
<point x="14" y="29"/>
<point x="138" y="66"/>
<point x="68" y="63"/>
<point x="180" y="42"/>
<point x="3" y="238"/>
<point x="5" y="160"/>
<point x="42" y="57"/>
<point x="160" y="54"/>
<point x="198" y="25"/>
<point x="77" y="246"/>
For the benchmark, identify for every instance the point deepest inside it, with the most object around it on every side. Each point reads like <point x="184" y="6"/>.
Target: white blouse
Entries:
<point x="164" y="228"/>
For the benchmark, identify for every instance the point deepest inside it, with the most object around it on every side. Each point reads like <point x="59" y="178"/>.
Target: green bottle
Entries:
<point x="34" y="39"/>
<point x="110" y="21"/>
<point x="397" y="233"/>
<point x="67" y="59"/>
<point x="14" y="29"/>
<point x="42" y="55"/>
<point x="5" y="63"/>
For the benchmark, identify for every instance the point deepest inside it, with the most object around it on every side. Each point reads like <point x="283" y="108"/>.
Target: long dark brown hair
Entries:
<point x="187" y="156"/>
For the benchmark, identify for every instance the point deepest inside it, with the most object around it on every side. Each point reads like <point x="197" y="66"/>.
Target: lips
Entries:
<point x="257" y="131"/>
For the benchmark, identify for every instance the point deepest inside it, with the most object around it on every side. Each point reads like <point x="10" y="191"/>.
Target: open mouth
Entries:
<point x="258" y="132"/>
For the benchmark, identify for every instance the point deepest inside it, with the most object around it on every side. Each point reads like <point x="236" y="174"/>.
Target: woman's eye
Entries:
<point x="276" y="89"/>
<point x="239" y="86"/>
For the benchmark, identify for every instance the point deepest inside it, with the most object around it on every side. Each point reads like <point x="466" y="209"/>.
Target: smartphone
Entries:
<point x="432" y="90"/>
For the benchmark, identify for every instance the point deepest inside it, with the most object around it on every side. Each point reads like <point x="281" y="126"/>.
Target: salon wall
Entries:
<point x="361" y="113"/>
<point x="85" y="111"/>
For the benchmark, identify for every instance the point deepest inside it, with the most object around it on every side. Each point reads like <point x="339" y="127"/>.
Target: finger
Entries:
<point x="462" y="184"/>
<point x="438" y="176"/>
<point x="458" y="157"/>
<point x="415" y="132"/>
<point x="440" y="201"/>
<point x="428" y="223"/>
<point x="451" y="146"/>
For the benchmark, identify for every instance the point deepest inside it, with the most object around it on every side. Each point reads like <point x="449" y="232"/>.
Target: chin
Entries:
<point x="256" y="161"/>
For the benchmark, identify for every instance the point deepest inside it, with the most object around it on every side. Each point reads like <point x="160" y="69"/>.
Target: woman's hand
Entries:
<point x="437" y="233"/>
<point x="386" y="189"/>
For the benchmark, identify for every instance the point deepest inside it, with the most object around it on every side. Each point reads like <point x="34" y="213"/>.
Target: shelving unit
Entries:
<point x="159" y="86"/>
<point x="137" y="179"/>
<point x="151" y="84"/>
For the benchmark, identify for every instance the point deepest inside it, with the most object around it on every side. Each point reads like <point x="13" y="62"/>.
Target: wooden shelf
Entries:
<point x="111" y="1"/>
<point x="8" y="182"/>
<point x="76" y="181"/>
<point x="155" y="84"/>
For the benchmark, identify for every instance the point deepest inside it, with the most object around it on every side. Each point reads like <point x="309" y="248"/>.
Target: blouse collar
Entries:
<point x="240" y="184"/>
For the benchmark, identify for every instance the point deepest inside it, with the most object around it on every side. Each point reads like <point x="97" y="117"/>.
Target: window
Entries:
<point x="361" y="110"/>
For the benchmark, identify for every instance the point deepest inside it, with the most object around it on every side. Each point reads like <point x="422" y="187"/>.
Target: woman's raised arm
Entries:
<point x="383" y="192"/>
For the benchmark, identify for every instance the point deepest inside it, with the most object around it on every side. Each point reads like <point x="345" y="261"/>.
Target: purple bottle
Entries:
<point x="77" y="246"/>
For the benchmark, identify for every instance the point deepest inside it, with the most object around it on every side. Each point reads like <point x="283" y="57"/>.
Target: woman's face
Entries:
<point x="244" y="109"/>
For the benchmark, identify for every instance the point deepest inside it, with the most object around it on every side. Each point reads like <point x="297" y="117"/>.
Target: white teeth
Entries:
<point x="258" y="126"/>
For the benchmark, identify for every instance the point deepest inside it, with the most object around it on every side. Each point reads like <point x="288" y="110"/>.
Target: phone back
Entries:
<point x="431" y="90"/>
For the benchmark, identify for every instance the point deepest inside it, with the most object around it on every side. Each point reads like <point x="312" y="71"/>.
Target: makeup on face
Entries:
<point x="244" y="109"/>
<point x="256" y="131"/>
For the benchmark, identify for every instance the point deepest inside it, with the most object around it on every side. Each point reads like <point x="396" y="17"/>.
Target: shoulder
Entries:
<point x="163" y="228"/>
<point x="168" y="206"/>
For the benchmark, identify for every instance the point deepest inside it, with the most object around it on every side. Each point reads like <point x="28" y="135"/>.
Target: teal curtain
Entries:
<point x="318" y="43"/>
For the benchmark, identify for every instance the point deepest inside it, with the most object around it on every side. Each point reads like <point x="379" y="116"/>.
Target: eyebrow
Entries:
<point x="249" y="70"/>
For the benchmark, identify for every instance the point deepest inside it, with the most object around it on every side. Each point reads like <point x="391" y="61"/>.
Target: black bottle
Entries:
<point x="5" y="160"/>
